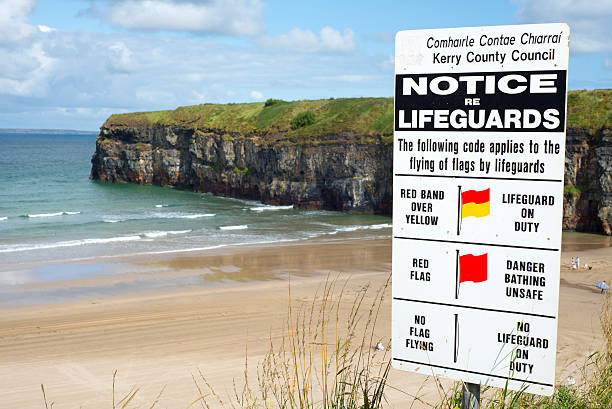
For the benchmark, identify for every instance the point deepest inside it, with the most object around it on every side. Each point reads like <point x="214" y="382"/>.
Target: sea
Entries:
<point x="51" y="212"/>
<point x="59" y="227"/>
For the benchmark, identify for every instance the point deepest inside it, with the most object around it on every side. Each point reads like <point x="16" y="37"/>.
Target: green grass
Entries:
<point x="334" y="119"/>
<point x="571" y="190"/>
<point x="589" y="110"/>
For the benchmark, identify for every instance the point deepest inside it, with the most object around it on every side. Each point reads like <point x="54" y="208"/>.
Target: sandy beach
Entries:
<point x="232" y="299"/>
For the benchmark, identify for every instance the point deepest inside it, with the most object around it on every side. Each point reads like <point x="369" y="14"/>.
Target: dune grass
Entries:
<point x="326" y="360"/>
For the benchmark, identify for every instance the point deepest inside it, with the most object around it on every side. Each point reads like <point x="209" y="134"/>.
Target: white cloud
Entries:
<point x="45" y="29"/>
<point x="30" y="72"/>
<point x="232" y="17"/>
<point x="67" y="79"/>
<point x="120" y="58"/>
<point x="215" y="93"/>
<point x="298" y="40"/>
<point x="152" y="95"/>
<point x="608" y="63"/>
<point x="13" y="27"/>
<point x="589" y="20"/>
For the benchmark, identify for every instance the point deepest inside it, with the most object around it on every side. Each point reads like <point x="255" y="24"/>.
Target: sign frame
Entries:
<point x="478" y="168"/>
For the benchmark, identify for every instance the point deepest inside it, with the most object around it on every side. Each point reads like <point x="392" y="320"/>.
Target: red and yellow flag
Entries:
<point x="475" y="203"/>
<point x="473" y="268"/>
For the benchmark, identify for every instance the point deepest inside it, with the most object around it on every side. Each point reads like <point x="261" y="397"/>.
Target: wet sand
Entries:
<point x="160" y="336"/>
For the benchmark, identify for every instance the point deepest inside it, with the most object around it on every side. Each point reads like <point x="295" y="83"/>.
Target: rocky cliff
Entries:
<point x="343" y="175"/>
<point x="254" y="151"/>
<point x="587" y="204"/>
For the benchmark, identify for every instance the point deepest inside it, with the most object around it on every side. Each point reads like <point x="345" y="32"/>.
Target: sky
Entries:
<point x="69" y="64"/>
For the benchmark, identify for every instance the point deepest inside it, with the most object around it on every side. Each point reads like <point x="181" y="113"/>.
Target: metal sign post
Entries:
<point x="470" y="396"/>
<point x="478" y="167"/>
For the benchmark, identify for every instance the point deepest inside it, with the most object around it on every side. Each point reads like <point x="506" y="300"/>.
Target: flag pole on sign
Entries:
<point x="459" y="205"/>
<point x="456" y="336"/>
<point x="457" y="274"/>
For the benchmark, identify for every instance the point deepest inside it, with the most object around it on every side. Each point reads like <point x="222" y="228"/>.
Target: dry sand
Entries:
<point x="158" y="338"/>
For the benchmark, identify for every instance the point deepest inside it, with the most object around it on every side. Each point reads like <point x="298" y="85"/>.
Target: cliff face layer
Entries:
<point x="264" y="152"/>
<point x="587" y="204"/>
<point x="344" y="174"/>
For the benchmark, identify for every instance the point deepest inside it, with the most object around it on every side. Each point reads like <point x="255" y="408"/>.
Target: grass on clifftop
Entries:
<point x="589" y="110"/>
<point x="277" y="120"/>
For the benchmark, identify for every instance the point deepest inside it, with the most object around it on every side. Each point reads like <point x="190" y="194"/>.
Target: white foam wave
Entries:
<point x="239" y="227"/>
<point x="51" y="214"/>
<point x="69" y="243"/>
<point x="154" y="234"/>
<point x="196" y="216"/>
<point x="171" y="215"/>
<point x="251" y="243"/>
<point x="338" y="229"/>
<point x="368" y="227"/>
<point x="270" y="207"/>
<point x="3" y="218"/>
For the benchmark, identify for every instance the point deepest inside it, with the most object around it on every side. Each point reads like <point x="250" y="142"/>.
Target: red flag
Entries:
<point x="473" y="268"/>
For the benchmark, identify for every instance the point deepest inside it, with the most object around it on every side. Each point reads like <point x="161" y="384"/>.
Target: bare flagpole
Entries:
<point x="456" y="336"/>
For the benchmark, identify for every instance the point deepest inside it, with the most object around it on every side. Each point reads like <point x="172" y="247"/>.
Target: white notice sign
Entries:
<point x="478" y="161"/>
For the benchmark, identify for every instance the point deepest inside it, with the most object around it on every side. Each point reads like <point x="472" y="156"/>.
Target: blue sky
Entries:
<point x="70" y="64"/>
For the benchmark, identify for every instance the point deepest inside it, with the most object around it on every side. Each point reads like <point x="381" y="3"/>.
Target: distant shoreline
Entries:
<point x="48" y="131"/>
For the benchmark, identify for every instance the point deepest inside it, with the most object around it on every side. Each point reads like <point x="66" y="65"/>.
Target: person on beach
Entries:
<point x="577" y="262"/>
<point x="573" y="263"/>
<point x="603" y="286"/>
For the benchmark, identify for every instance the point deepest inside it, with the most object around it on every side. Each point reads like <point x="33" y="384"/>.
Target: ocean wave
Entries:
<point x="239" y="227"/>
<point x="172" y="215"/>
<point x="154" y="234"/>
<point x="3" y="218"/>
<point x="196" y="216"/>
<point x="187" y="250"/>
<point x="233" y="199"/>
<point x="270" y="207"/>
<point x="367" y="227"/>
<point x="51" y="214"/>
<point x="341" y="229"/>
<point x="69" y="243"/>
<point x="161" y="205"/>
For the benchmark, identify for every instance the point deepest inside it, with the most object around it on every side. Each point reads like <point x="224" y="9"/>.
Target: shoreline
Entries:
<point x="163" y="271"/>
<point x="177" y="271"/>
